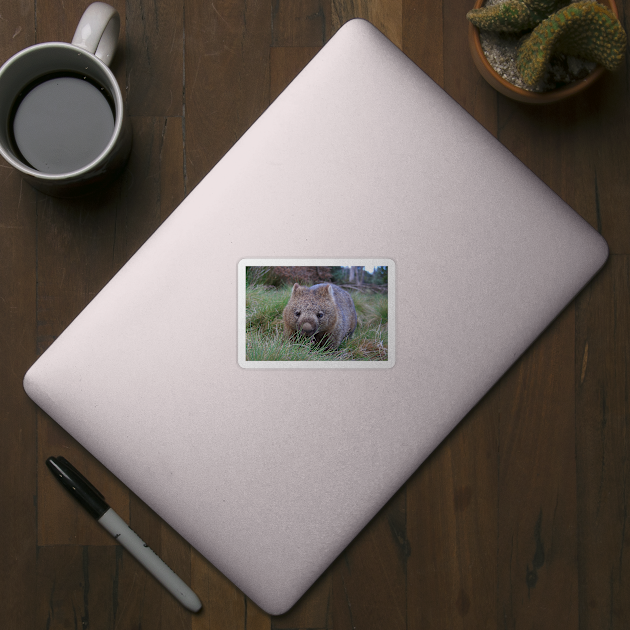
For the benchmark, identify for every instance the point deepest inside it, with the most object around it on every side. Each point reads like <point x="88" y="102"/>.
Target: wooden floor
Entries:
<point x="518" y="520"/>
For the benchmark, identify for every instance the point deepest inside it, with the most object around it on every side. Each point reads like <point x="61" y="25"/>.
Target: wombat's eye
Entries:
<point x="320" y="314"/>
<point x="297" y="313"/>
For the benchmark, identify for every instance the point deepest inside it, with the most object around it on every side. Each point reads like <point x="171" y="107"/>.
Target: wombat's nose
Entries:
<point x="308" y="328"/>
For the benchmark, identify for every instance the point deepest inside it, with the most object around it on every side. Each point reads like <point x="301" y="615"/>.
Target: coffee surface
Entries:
<point x="62" y="124"/>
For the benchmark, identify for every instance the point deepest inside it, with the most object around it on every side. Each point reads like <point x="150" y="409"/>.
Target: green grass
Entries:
<point x="265" y="330"/>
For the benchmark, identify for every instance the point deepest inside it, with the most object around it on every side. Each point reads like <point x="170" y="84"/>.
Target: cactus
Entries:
<point x="513" y="16"/>
<point x="583" y="29"/>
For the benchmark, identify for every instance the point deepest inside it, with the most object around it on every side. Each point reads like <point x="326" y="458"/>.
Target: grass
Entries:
<point x="265" y="330"/>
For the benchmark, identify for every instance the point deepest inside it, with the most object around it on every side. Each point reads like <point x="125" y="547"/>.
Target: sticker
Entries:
<point x="316" y="313"/>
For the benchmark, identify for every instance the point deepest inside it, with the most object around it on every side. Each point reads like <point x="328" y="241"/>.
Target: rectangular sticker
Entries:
<point x="316" y="313"/>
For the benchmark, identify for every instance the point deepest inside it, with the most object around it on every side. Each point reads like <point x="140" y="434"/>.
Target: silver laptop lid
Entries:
<point x="270" y="473"/>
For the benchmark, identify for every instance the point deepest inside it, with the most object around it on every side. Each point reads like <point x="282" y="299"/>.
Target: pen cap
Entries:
<point x="78" y="486"/>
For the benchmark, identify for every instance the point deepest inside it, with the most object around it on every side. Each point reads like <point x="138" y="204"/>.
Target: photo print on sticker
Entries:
<point x="316" y="313"/>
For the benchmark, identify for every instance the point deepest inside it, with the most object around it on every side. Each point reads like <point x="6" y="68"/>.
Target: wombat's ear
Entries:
<point x="295" y="288"/>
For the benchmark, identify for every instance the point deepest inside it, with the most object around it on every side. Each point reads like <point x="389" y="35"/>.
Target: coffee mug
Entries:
<point x="62" y="116"/>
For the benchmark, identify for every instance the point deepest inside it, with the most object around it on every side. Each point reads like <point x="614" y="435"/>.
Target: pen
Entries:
<point x="94" y="502"/>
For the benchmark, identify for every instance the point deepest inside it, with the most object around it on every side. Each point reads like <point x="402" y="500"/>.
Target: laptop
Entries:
<point x="269" y="468"/>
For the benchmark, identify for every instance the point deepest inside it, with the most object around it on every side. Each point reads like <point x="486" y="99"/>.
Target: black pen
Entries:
<point x="94" y="502"/>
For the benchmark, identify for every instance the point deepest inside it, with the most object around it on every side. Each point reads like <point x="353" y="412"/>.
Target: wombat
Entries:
<point x="323" y="312"/>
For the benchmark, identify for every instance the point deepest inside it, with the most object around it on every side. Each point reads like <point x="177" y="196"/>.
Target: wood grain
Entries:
<point x="18" y="417"/>
<point x="461" y="79"/>
<point x="422" y="36"/>
<point x="609" y="134"/>
<point x="602" y="381"/>
<point x="518" y="520"/>
<point x="154" y="58"/>
<point x="303" y="23"/>
<point x="57" y="22"/>
<point x="537" y="537"/>
<point x="18" y="324"/>
<point x="386" y="15"/>
<point x="76" y="587"/>
<point x="226" y="78"/>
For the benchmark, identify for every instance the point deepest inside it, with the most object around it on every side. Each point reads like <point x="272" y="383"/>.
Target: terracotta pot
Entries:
<point x="512" y="91"/>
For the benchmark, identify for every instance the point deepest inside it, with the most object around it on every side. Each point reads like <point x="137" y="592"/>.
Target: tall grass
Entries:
<point x="265" y="329"/>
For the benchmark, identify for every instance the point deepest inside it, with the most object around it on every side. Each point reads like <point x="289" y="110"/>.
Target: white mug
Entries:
<point x="62" y="114"/>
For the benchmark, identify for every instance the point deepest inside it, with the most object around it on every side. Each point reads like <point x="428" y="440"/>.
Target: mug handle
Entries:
<point x="98" y="30"/>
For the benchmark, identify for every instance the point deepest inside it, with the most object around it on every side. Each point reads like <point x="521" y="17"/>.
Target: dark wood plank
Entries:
<point x="452" y="527"/>
<point x="386" y="15"/>
<point x="17" y="27"/>
<point x="369" y="587"/>
<point x="18" y="416"/>
<point x="608" y="137"/>
<point x="154" y="57"/>
<point x="303" y="23"/>
<point x="74" y="257"/>
<point x="603" y="444"/>
<point x="171" y="160"/>
<point x="422" y="36"/>
<point x="537" y="509"/>
<point x="461" y="78"/>
<point x="570" y="146"/>
<point x="76" y="587"/>
<point x="57" y="22"/>
<point x="255" y="618"/>
<point x="226" y="78"/>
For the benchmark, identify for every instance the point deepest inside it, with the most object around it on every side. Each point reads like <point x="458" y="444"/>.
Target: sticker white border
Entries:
<point x="321" y="262"/>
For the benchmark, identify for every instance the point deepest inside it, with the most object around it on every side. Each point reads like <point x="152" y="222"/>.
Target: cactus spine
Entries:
<point x="513" y="16"/>
<point x="583" y="29"/>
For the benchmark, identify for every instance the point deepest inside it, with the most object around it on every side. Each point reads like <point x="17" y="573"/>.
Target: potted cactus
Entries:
<point x="557" y="48"/>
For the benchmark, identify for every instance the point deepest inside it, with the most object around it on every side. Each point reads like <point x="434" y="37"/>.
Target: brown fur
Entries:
<point x="323" y="312"/>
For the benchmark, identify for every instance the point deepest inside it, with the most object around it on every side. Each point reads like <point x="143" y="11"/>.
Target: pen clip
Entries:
<point x="74" y="471"/>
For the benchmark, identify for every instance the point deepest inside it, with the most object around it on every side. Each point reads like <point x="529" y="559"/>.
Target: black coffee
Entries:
<point x="62" y="123"/>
